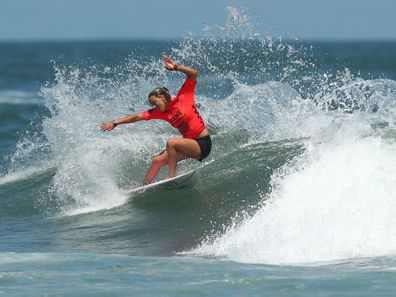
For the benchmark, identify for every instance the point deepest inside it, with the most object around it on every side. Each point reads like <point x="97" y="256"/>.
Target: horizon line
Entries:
<point x="175" y="39"/>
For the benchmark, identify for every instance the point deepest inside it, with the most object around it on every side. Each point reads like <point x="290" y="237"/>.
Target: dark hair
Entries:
<point x="160" y="91"/>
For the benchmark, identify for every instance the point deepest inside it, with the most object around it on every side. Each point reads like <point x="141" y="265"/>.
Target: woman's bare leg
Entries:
<point x="157" y="163"/>
<point x="176" y="147"/>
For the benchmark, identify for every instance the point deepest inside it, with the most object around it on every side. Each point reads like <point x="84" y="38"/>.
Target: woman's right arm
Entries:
<point x="108" y="126"/>
<point x="171" y="65"/>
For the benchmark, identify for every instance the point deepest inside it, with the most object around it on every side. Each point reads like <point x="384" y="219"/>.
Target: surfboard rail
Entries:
<point x="185" y="180"/>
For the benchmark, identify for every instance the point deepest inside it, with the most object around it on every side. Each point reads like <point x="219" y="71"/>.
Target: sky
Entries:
<point x="169" y="19"/>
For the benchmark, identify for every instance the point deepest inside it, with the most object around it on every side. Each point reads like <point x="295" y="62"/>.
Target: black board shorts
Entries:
<point x="205" y="143"/>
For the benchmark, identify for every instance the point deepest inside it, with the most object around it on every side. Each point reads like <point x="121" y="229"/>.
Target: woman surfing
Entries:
<point x="181" y="113"/>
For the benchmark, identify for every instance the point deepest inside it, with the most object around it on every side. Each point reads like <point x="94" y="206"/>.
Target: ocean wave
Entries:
<point x="302" y="167"/>
<point x="18" y="97"/>
<point x="332" y="203"/>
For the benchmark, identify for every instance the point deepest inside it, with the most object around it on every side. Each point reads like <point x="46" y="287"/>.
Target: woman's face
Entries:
<point x="158" y="102"/>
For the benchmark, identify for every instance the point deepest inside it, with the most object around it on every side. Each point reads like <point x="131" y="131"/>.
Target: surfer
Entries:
<point x="181" y="113"/>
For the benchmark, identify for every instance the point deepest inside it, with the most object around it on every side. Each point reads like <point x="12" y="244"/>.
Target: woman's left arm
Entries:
<point x="171" y="65"/>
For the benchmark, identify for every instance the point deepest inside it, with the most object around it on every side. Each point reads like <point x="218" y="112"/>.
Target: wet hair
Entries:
<point x="160" y="91"/>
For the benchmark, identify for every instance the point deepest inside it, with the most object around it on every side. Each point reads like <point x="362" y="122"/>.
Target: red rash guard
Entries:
<point x="182" y="113"/>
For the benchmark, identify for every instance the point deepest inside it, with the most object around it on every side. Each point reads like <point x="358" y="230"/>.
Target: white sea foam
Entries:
<point x="335" y="202"/>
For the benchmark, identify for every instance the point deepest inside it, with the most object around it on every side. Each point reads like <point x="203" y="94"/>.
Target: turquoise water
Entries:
<point x="120" y="275"/>
<point x="296" y="198"/>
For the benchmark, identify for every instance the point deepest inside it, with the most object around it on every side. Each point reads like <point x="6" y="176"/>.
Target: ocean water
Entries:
<point x="296" y="199"/>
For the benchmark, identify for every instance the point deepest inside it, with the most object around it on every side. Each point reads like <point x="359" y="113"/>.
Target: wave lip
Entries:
<point x="24" y="174"/>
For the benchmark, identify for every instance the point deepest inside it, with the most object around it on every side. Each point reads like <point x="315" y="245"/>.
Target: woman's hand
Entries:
<point x="169" y="64"/>
<point x="107" y="126"/>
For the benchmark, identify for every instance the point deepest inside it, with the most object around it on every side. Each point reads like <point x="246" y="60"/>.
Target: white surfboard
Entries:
<point x="185" y="180"/>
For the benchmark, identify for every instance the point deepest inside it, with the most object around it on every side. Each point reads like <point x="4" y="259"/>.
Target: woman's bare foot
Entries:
<point x="170" y="176"/>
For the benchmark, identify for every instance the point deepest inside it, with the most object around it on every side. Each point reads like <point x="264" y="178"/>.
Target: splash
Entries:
<point x="93" y="166"/>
